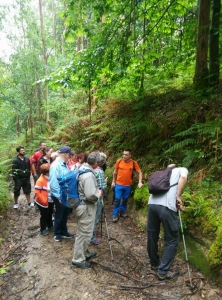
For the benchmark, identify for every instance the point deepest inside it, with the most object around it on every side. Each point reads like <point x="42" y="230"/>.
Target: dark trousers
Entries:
<point x="158" y="214"/>
<point x="61" y="216"/>
<point x="46" y="216"/>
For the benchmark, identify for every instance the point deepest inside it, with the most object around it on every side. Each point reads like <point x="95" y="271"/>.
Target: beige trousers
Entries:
<point x="85" y="221"/>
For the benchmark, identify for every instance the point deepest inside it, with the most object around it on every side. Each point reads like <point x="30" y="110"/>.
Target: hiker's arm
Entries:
<point x="181" y="185"/>
<point x="114" y="177"/>
<point x="140" y="184"/>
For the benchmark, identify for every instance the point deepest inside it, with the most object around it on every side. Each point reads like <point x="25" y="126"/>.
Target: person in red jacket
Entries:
<point x="35" y="159"/>
<point x="43" y="200"/>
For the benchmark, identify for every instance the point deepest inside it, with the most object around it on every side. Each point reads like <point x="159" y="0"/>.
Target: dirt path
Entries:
<point x="40" y="267"/>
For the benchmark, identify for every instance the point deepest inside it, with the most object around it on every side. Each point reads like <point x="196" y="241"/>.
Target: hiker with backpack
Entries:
<point x="166" y="188"/>
<point x="89" y="193"/>
<point x="122" y="181"/>
<point x="57" y="169"/>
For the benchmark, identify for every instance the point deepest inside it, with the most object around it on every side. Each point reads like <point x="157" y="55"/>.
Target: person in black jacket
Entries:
<point x="21" y="176"/>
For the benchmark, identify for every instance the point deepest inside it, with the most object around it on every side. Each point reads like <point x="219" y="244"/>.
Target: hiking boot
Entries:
<point x="154" y="267"/>
<point x="44" y="232"/>
<point x="16" y="206"/>
<point x="83" y="265"/>
<point x="124" y="215"/>
<point x="91" y="255"/>
<point x="169" y="275"/>
<point x="30" y="204"/>
<point x="51" y="229"/>
<point x="115" y="220"/>
<point x="67" y="235"/>
<point x="57" y="238"/>
<point x="96" y="241"/>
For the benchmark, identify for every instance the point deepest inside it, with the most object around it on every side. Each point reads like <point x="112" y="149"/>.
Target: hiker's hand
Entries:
<point x="35" y="177"/>
<point x="113" y="185"/>
<point x="179" y="204"/>
<point x="100" y="192"/>
<point x="106" y="179"/>
<point x="140" y="184"/>
<point x="60" y="201"/>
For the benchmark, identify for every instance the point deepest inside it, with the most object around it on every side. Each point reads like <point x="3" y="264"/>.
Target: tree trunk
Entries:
<point x="201" y="71"/>
<point x="214" y="44"/>
<point x="45" y="57"/>
<point x="54" y="29"/>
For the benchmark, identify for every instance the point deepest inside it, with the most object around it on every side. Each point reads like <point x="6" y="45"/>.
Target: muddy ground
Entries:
<point x="37" y="267"/>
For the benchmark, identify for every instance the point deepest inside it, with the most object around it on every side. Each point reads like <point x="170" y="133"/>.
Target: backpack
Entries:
<point x="159" y="182"/>
<point x="69" y="187"/>
<point x="134" y="172"/>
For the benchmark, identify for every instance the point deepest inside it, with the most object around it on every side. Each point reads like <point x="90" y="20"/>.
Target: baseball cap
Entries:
<point x="65" y="149"/>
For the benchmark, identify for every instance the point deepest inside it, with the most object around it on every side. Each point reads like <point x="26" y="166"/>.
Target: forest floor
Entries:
<point x="37" y="267"/>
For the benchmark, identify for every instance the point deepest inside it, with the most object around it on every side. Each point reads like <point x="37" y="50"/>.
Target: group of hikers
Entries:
<point x="47" y="167"/>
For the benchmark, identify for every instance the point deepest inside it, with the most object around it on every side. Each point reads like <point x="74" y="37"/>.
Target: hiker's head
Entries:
<point x="42" y="146"/>
<point x="20" y="150"/>
<point x="47" y="152"/>
<point x="73" y="156"/>
<point x="102" y="159"/>
<point x="126" y="155"/>
<point x="172" y="166"/>
<point x="64" y="153"/>
<point x="93" y="159"/>
<point x="44" y="169"/>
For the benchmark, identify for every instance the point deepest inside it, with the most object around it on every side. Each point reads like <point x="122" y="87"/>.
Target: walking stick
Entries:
<point x="185" y="249"/>
<point x="110" y="247"/>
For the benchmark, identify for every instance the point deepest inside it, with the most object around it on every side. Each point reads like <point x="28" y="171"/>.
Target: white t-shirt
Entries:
<point x="169" y="199"/>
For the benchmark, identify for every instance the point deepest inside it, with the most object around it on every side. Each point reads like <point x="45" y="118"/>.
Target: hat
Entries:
<point x="72" y="153"/>
<point x="65" y="149"/>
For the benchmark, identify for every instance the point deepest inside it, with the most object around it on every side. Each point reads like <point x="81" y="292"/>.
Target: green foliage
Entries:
<point x="203" y="215"/>
<point x="140" y="197"/>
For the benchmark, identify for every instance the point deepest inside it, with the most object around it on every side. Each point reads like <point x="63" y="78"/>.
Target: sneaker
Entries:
<point x="83" y="265"/>
<point x="96" y="241"/>
<point x="169" y="275"/>
<point x="31" y="204"/>
<point x="51" y="229"/>
<point x="124" y="215"/>
<point x="67" y="235"/>
<point x="115" y="220"/>
<point x="91" y="255"/>
<point x="57" y="238"/>
<point x="16" y="206"/>
<point x="44" y="232"/>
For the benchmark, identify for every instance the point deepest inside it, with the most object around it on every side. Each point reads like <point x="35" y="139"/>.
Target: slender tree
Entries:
<point x="201" y="77"/>
<point x="214" y="43"/>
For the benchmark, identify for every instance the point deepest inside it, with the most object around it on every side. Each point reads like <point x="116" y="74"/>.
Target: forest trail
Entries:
<point x="40" y="267"/>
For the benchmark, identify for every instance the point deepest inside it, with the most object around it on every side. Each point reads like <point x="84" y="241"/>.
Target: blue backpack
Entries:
<point x="69" y="187"/>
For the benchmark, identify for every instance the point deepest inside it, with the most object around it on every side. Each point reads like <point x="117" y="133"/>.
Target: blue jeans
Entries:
<point x="121" y="197"/>
<point x="61" y="216"/>
<point x="160" y="214"/>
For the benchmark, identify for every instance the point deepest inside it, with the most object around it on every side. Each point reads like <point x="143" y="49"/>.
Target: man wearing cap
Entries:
<point x="57" y="170"/>
<point x="89" y="193"/>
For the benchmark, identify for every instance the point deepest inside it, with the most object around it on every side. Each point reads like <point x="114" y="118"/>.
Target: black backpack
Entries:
<point x="159" y="182"/>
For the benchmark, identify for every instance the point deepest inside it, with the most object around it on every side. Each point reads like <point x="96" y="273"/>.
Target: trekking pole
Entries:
<point x="185" y="249"/>
<point x="101" y="223"/>
<point x="110" y="247"/>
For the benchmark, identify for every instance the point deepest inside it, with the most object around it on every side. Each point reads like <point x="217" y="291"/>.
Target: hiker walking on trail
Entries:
<point x="57" y="170"/>
<point x="85" y="212"/>
<point x="122" y="181"/>
<point x="21" y="176"/>
<point x="162" y="208"/>
<point x="43" y="199"/>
